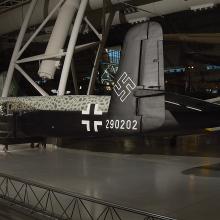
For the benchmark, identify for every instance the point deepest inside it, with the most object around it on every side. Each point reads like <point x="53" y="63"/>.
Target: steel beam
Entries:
<point x="71" y="47"/>
<point x="105" y="32"/>
<point x="40" y="28"/>
<point x="73" y="71"/>
<point x="93" y="28"/>
<point x="17" y="48"/>
<point x="41" y="57"/>
<point x="58" y="55"/>
<point x="58" y="37"/>
<point x="31" y="81"/>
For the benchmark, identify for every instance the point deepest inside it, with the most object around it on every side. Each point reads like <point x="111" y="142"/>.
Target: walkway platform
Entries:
<point x="176" y="186"/>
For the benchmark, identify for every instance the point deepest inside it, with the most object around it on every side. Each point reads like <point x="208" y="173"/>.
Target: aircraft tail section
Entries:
<point x="139" y="88"/>
<point x="137" y="104"/>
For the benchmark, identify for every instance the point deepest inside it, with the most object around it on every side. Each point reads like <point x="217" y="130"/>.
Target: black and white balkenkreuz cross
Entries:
<point x="92" y="109"/>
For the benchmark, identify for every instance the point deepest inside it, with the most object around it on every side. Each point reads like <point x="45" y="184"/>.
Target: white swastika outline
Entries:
<point x="124" y="86"/>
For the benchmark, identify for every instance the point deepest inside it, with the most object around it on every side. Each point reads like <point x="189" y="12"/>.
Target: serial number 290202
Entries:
<point x="122" y="124"/>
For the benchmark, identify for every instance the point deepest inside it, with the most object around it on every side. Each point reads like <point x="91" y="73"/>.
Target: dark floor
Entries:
<point x="182" y="187"/>
<point x="205" y="145"/>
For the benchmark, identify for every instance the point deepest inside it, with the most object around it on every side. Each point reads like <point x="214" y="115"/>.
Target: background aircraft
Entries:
<point x="139" y="103"/>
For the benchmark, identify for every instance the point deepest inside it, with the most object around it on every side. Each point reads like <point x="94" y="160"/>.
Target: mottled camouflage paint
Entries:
<point x="53" y="103"/>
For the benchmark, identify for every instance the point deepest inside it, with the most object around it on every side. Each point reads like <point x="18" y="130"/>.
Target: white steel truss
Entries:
<point x="68" y="54"/>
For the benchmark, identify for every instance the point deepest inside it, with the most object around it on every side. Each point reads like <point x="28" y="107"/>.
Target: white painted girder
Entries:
<point x="13" y="18"/>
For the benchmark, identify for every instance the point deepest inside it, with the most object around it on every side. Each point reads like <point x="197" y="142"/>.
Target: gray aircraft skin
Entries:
<point x="139" y="103"/>
<point x="161" y="112"/>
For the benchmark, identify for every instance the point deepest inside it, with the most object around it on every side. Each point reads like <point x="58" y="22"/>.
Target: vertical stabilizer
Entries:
<point x="139" y="88"/>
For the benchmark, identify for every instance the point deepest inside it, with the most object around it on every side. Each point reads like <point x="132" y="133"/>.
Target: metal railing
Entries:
<point x="64" y="205"/>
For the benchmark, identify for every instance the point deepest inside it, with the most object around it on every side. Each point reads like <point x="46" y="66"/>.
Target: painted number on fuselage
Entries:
<point x="121" y="124"/>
